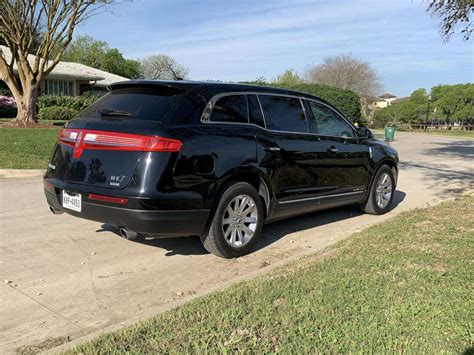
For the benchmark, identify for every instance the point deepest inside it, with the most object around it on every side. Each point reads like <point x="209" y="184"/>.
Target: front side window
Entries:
<point x="232" y="108"/>
<point x="283" y="113"/>
<point x="329" y="122"/>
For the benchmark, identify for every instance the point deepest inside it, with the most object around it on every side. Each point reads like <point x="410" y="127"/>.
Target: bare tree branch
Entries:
<point x="20" y="21"/>
<point x="346" y="72"/>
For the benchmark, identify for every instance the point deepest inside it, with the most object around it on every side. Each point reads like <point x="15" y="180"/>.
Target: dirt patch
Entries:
<point x="43" y="346"/>
<point x="16" y="124"/>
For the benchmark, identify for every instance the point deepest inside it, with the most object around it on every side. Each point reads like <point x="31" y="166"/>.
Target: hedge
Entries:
<point x="77" y="103"/>
<point x="346" y="101"/>
<point x="57" y="113"/>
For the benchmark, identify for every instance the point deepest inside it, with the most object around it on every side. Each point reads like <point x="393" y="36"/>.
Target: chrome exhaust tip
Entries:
<point x="128" y="234"/>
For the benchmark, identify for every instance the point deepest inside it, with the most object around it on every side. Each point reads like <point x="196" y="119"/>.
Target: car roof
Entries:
<point x="208" y="88"/>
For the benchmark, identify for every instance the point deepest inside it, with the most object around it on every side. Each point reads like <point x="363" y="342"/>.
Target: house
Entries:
<point x="374" y="102"/>
<point x="73" y="79"/>
<point x="385" y="100"/>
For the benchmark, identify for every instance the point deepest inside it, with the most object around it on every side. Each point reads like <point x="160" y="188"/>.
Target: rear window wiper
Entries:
<point x="113" y="112"/>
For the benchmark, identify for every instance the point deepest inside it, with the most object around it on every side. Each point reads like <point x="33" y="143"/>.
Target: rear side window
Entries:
<point x="283" y="113"/>
<point x="231" y="108"/>
<point x="151" y="104"/>
<point x="255" y="111"/>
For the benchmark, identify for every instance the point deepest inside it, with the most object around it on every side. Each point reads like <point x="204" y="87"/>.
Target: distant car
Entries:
<point x="168" y="159"/>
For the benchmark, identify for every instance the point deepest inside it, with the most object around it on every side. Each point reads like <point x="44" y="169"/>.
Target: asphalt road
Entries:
<point x="67" y="277"/>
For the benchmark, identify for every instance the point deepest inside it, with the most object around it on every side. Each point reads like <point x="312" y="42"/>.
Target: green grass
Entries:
<point x="402" y="286"/>
<point x="466" y="134"/>
<point x="26" y="148"/>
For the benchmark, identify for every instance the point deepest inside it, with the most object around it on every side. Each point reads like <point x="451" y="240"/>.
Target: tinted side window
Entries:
<point x="255" y="112"/>
<point x="230" y="109"/>
<point x="283" y="113"/>
<point x="329" y="122"/>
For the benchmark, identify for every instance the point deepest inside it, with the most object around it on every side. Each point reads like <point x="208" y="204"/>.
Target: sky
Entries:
<point x="241" y="40"/>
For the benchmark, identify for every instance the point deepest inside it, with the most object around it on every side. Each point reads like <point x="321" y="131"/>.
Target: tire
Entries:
<point x="379" y="193"/>
<point x="230" y="237"/>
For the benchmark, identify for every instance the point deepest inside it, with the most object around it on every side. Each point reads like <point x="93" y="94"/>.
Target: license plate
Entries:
<point x="72" y="201"/>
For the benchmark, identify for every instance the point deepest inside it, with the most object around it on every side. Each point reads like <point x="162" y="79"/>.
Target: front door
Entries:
<point x="343" y="164"/>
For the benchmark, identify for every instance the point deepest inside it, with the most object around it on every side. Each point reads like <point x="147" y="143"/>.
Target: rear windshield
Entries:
<point x="151" y="104"/>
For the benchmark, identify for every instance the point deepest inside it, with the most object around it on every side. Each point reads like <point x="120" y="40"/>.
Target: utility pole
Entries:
<point x="427" y="112"/>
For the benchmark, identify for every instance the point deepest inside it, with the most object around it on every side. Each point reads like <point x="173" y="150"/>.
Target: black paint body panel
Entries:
<point x="171" y="194"/>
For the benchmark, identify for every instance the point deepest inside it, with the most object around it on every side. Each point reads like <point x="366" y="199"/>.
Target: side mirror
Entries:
<point x="364" y="132"/>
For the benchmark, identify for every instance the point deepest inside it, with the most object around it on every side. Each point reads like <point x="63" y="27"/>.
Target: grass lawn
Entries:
<point x="466" y="134"/>
<point x="402" y="286"/>
<point x="26" y="148"/>
<point x="379" y="134"/>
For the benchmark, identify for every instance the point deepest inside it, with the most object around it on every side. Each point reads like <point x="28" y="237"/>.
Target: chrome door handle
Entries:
<point x="272" y="149"/>
<point x="332" y="150"/>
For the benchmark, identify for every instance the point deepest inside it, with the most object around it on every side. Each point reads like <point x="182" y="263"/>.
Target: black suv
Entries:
<point x="164" y="159"/>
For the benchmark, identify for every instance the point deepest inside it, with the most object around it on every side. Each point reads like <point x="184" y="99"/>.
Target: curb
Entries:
<point x="20" y="173"/>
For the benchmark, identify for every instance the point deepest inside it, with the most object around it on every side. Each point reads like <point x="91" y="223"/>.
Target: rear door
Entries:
<point x="286" y="148"/>
<point x="102" y="146"/>
<point x="343" y="162"/>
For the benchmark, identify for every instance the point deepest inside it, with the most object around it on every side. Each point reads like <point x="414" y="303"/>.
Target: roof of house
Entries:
<point x="387" y="96"/>
<point x="400" y="99"/>
<point x="370" y="98"/>
<point x="70" y="70"/>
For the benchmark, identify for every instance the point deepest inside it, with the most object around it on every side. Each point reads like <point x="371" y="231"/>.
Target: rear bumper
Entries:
<point x="166" y="223"/>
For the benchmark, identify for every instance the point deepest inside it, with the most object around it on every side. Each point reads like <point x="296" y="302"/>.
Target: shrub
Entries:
<point x="77" y="103"/>
<point x="7" y="107"/>
<point x="56" y="113"/>
<point x="346" y="101"/>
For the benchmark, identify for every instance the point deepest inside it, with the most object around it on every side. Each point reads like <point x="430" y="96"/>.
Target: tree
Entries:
<point x="449" y="104"/>
<point x="289" y="77"/>
<point x="453" y="14"/>
<point x="162" y="67"/>
<point x="346" y="72"/>
<point x="19" y="22"/>
<point x="99" y="55"/>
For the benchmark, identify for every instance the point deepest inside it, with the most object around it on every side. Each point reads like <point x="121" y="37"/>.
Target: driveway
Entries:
<point x="67" y="277"/>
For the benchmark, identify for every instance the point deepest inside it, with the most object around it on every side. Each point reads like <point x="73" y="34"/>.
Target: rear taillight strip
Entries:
<point x="83" y="139"/>
<point x="103" y="198"/>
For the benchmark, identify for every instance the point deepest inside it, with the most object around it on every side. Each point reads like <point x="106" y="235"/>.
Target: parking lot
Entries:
<point x="67" y="277"/>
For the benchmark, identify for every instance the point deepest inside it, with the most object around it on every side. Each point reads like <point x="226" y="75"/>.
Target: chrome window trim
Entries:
<point x="321" y="197"/>
<point x="261" y="110"/>
<point x="206" y="114"/>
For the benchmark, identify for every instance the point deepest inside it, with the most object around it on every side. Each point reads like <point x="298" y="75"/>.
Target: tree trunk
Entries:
<point x="26" y="106"/>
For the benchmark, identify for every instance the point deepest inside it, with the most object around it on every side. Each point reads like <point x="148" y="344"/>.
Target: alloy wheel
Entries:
<point x="383" y="191"/>
<point x="240" y="221"/>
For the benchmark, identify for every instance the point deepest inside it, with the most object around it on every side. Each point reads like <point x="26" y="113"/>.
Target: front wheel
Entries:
<point x="381" y="192"/>
<point x="237" y="222"/>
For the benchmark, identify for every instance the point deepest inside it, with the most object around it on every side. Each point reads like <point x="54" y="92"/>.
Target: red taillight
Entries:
<point x="82" y="139"/>
<point x="119" y="200"/>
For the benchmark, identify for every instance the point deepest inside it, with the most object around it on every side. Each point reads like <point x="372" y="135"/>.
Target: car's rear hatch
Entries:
<point x="105" y="143"/>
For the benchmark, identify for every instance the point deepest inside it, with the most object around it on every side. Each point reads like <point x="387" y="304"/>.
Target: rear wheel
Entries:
<point x="237" y="222"/>
<point x="381" y="192"/>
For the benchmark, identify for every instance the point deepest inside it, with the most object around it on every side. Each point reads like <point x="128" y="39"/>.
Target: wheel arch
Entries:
<point x="249" y="175"/>
<point x="391" y="163"/>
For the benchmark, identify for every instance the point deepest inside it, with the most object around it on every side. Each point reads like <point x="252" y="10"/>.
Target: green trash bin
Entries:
<point x="389" y="133"/>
